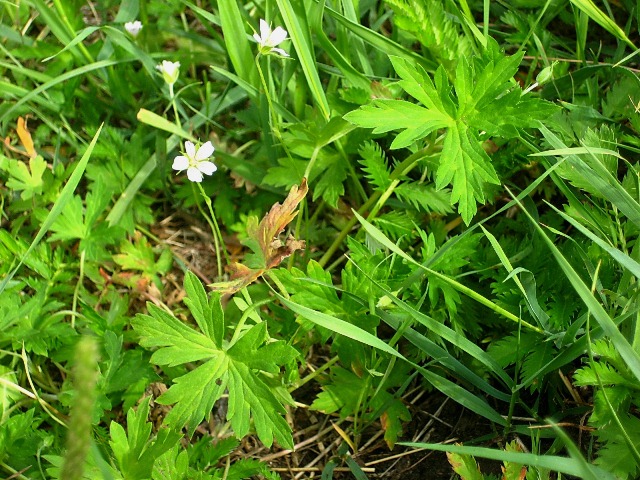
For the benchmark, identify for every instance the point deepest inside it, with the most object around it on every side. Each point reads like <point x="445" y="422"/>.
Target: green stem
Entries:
<point x="62" y="15"/>
<point x="15" y="473"/>
<point x="76" y="292"/>
<point x="313" y="374"/>
<point x="175" y="106"/>
<point x="352" y="172"/>
<point x="400" y="170"/>
<point x="215" y="229"/>
<point x="245" y="315"/>
<point x="278" y="283"/>
<point x="267" y="94"/>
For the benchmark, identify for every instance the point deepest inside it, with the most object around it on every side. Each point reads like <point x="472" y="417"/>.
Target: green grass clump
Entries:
<point x="247" y="217"/>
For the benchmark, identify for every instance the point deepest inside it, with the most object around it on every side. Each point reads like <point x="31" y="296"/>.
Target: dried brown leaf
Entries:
<point x="266" y="234"/>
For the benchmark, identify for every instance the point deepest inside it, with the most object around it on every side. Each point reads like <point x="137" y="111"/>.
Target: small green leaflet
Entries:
<point x="28" y="180"/>
<point x="133" y="449"/>
<point x="234" y="367"/>
<point x="486" y="99"/>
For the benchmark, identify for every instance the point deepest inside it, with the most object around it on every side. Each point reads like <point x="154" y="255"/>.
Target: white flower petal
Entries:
<point x="170" y="67"/>
<point x="133" y="27"/>
<point x="277" y="36"/>
<point x="265" y="31"/>
<point x="170" y="71"/>
<point x="205" y="151"/>
<point x="257" y="38"/>
<point x="190" y="149"/>
<point x="280" y="52"/>
<point x="207" y="167"/>
<point x="180" y="163"/>
<point x="194" y="174"/>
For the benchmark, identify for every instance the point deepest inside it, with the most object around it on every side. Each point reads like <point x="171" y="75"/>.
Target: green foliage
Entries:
<point x="422" y="196"/>
<point x="348" y="393"/>
<point x="239" y="366"/>
<point x="467" y="468"/>
<point x="140" y="256"/>
<point x="135" y="453"/>
<point x="486" y="100"/>
<point x="433" y="27"/>
<point x="407" y="274"/>
<point x="615" y="397"/>
<point x="28" y="181"/>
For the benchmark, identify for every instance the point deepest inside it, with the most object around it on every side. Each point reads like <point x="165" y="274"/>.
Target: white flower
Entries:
<point x="133" y="28"/>
<point x="269" y="39"/>
<point x="195" y="163"/>
<point x="170" y="71"/>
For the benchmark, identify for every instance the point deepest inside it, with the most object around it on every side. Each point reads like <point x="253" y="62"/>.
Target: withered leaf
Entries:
<point x="280" y="216"/>
<point x="263" y="239"/>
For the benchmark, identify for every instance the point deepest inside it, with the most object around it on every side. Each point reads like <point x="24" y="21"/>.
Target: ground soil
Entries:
<point x="435" y="419"/>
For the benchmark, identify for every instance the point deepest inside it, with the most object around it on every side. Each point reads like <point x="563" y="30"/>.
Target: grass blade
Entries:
<point x="622" y="258"/>
<point x="455" y="392"/>
<point x="383" y="240"/>
<point x="568" y="466"/>
<point x="237" y="41"/>
<point x="598" y="16"/>
<point x="630" y="356"/>
<point x="58" y="206"/>
<point x="596" y="174"/>
<point x="381" y="42"/>
<point x="253" y="92"/>
<point x="340" y="326"/>
<point x="443" y="357"/>
<point x="298" y="29"/>
<point x="61" y="79"/>
<point x="528" y="291"/>
<point x="161" y="123"/>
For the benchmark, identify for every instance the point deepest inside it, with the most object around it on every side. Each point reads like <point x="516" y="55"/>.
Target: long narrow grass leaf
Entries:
<point x="622" y="258"/>
<point x="381" y="42"/>
<point x="587" y="471"/>
<point x="598" y="176"/>
<point x="528" y="290"/>
<point x="73" y="42"/>
<point x="440" y="355"/>
<point x="343" y="328"/>
<point x="61" y="79"/>
<point x="161" y="123"/>
<point x="598" y="16"/>
<point x="627" y="352"/>
<point x="383" y="240"/>
<point x="253" y="92"/>
<point x="236" y="40"/>
<point x="58" y="206"/>
<point x="568" y="466"/>
<point x="456" y="392"/>
<point x="298" y="30"/>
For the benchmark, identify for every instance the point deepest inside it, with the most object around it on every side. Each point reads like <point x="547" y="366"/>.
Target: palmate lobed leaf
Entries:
<point x="487" y="99"/>
<point x="387" y="115"/>
<point x="28" y="180"/>
<point x="234" y="367"/>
